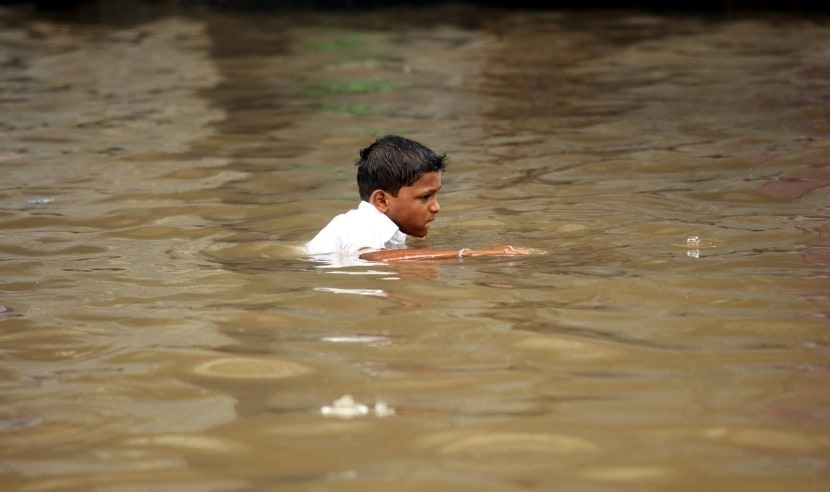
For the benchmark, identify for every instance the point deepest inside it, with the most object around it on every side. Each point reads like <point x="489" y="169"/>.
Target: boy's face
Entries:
<point x="416" y="205"/>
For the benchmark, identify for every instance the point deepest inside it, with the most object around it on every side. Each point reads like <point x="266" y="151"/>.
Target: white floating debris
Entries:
<point x="693" y="241"/>
<point x="360" y="292"/>
<point x="368" y="339"/>
<point x="39" y="200"/>
<point x="383" y="410"/>
<point x="346" y="408"/>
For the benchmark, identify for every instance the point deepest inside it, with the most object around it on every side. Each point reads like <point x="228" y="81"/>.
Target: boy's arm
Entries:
<point x="440" y="254"/>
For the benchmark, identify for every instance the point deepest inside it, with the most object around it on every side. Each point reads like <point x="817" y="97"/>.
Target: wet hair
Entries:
<point x="393" y="162"/>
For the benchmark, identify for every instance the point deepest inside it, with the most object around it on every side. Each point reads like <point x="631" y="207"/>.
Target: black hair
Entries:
<point x="393" y="162"/>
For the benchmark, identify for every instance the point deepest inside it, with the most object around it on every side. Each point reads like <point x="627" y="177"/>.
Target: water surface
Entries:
<point x="160" y="331"/>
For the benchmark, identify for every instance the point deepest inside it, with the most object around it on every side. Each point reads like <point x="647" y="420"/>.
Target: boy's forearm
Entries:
<point x="409" y="254"/>
<point x="439" y="254"/>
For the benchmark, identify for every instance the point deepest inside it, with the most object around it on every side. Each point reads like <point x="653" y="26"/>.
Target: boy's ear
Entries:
<point x="378" y="198"/>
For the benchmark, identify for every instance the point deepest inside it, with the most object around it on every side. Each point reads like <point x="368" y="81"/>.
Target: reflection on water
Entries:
<point x="160" y="330"/>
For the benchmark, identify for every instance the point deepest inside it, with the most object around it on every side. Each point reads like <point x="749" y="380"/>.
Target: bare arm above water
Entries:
<point x="440" y="254"/>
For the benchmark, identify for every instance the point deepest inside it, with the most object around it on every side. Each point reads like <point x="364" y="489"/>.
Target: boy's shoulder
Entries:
<point x="357" y="228"/>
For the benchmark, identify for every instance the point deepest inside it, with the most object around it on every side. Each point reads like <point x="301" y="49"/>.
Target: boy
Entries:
<point x="398" y="180"/>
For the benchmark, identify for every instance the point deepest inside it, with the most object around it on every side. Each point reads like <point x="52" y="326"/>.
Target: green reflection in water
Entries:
<point x="353" y="51"/>
<point x="352" y="109"/>
<point x="356" y="86"/>
<point x="342" y="41"/>
<point x="323" y="91"/>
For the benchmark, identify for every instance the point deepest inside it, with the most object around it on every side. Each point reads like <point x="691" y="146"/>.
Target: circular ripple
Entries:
<point x="250" y="368"/>
<point x="491" y="444"/>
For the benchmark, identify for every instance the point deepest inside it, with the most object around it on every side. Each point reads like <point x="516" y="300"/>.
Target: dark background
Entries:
<point x="653" y="5"/>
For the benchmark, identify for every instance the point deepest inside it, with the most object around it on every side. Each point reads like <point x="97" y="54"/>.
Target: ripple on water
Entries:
<point x="629" y="474"/>
<point x="525" y="448"/>
<point x="190" y="442"/>
<point x="326" y="428"/>
<point x="250" y="368"/>
<point x="780" y="439"/>
<point x="570" y="349"/>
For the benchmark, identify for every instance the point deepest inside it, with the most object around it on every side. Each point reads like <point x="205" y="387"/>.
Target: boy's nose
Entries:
<point x="435" y="208"/>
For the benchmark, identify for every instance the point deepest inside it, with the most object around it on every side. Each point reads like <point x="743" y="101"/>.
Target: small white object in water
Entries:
<point x="346" y="408"/>
<point x="383" y="410"/>
<point x="692" y="241"/>
<point x="39" y="200"/>
<point x="367" y="339"/>
<point x="362" y="292"/>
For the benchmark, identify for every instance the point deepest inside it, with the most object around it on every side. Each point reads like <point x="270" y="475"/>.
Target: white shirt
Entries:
<point x="363" y="227"/>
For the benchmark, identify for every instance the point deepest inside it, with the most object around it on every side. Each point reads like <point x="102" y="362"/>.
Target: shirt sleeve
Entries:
<point x="326" y="241"/>
<point x="360" y="238"/>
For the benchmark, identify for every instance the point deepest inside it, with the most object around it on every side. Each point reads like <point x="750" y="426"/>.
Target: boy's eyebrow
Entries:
<point x="425" y="187"/>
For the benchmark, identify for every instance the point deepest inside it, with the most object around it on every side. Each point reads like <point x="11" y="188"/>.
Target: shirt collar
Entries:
<point x="384" y="224"/>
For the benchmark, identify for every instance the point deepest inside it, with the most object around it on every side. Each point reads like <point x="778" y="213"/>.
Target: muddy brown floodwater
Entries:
<point x="160" y="330"/>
